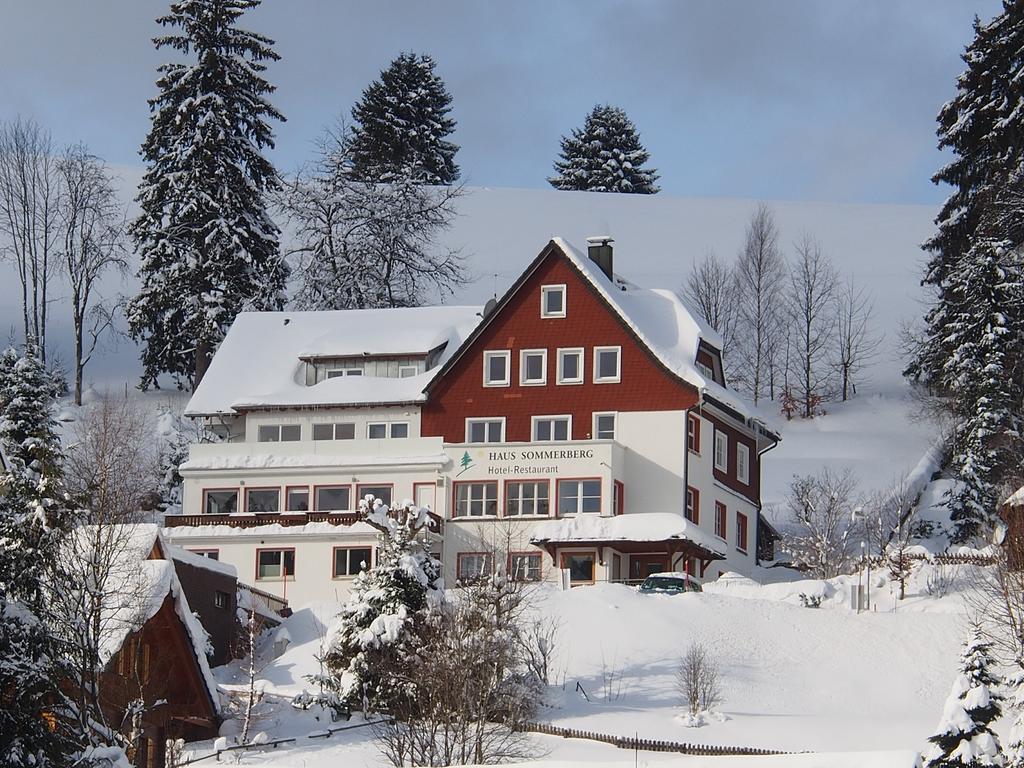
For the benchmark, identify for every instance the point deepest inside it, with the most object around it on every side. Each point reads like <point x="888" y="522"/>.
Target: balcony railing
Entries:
<point x="252" y="520"/>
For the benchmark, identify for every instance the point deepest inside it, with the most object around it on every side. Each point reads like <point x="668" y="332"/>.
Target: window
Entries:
<point x="693" y="433"/>
<point x="533" y="367"/>
<point x="693" y="505"/>
<point x="471" y="566"/>
<point x="213" y="554"/>
<point x="526" y="498"/>
<point x="349" y="561"/>
<point x="407" y="371"/>
<point x="221" y="599"/>
<point x="380" y="430"/>
<point x="742" y="463"/>
<point x="381" y="492"/>
<point x="377" y="431"/>
<point x="275" y="564"/>
<point x="618" y="497"/>
<point x="579" y="496"/>
<point x="548" y="428"/>
<point x="296" y="499"/>
<point x="263" y="500"/>
<point x="721" y="451"/>
<point x="399" y="430"/>
<point x="333" y="498"/>
<point x="570" y="366"/>
<point x="706" y="370"/>
<point x="496" y="368"/>
<point x="580" y="566"/>
<point x="524" y="566"/>
<point x="336" y="372"/>
<point x="741" y="532"/>
<point x="552" y="301"/>
<point x="485" y="430"/>
<point x="607" y="364"/>
<point x="345" y="430"/>
<point x="604" y="426"/>
<point x="221" y="502"/>
<point x="279" y="433"/>
<point x="721" y="520"/>
<point x="476" y="499"/>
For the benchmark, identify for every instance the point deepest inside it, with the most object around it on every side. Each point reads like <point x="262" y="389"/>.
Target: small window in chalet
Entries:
<point x="693" y="433"/>
<point x="476" y="499"/>
<point x="526" y="498"/>
<point x="721" y="451"/>
<point x="533" y="367"/>
<point x="344" y="430"/>
<point x="279" y="433"/>
<point x="552" y="428"/>
<point x="263" y="500"/>
<point x="221" y="502"/>
<point x="741" y="532"/>
<point x="721" y="520"/>
<point x="334" y="373"/>
<point x="692" y="512"/>
<point x="221" y="599"/>
<point x="580" y="566"/>
<point x="552" y="301"/>
<point x="485" y="430"/>
<point x="297" y="499"/>
<point x="380" y="492"/>
<point x="275" y="564"/>
<point x="406" y="371"/>
<point x="398" y="429"/>
<point x="742" y="463"/>
<point x="377" y="431"/>
<point x="576" y="496"/>
<point x="349" y="561"/>
<point x="333" y="498"/>
<point x="212" y="554"/>
<point x="570" y="366"/>
<point x="496" y="368"/>
<point x="471" y="566"/>
<point x="524" y="566"/>
<point x="604" y="426"/>
<point x="607" y="365"/>
<point x="705" y="369"/>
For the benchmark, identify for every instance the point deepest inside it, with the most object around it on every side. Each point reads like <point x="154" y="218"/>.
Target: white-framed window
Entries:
<point x="275" y="564"/>
<point x="526" y="497"/>
<point x="607" y="365"/>
<point x="345" y="430"/>
<point x="349" y="561"/>
<point x="552" y="301"/>
<point x="336" y="372"/>
<point x="279" y="433"/>
<point x="604" y="426"/>
<point x="742" y="463"/>
<point x="379" y="430"/>
<point x="576" y="496"/>
<point x="552" y="428"/>
<point x="398" y="430"/>
<point x="570" y="366"/>
<point x="470" y="566"/>
<point x="705" y="370"/>
<point x="721" y="451"/>
<point x="406" y="371"/>
<point x="476" y="499"/>
<point x="533" y="367"/>
<point x="497" y="367"/>
<point x="524" y="566"/>
<point x="485" y="430"/>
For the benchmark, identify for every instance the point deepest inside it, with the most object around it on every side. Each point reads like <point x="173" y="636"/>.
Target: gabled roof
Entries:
<point x="259" y="364"/>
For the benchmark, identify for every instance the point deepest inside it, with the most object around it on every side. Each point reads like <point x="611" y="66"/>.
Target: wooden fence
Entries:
<point x="648" y="745"/>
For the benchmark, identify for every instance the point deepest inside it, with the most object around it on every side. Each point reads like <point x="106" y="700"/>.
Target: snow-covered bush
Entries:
<point x="698" y="680"/>
<point x="810" y="601"/>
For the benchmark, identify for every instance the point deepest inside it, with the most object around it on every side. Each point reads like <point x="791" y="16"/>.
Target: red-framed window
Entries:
<point x="525" y="566"/>
<point x="296" y="498"/>
<point x="263" y="499"/>
<point x="741" y="532"/>
<point x="275" y="564"/>
<point x="693" y="505"/>
<point x="527" y="498"/>
<point x="576" y="495"/>
<point x="475" y="499"/>
<point x="721" y="520"/>
<point x="582" y="566"/>
<point x="220" y="501"/>
<point x="383" y="491"/>
<point x="471" y="566"/>
<point x="618" y="497"/>
<point x="693" y="433"/>
<point x="349" y="561"/>
<point x="332" y="498"/>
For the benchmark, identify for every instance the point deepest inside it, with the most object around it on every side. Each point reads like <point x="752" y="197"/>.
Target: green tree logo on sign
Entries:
<point x="467" y="462"/>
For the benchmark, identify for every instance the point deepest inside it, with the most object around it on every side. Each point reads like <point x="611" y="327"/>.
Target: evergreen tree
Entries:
<point x="376" y="632"/>
<point x="1014" y="748"/>
<point x="401" y="125"/>
<point x="982" y="317"/>
<point x="28" y="429"/>
<point x="604" y="156"/>
<point x="964" y="738"/>
<point x="207" y="245"/>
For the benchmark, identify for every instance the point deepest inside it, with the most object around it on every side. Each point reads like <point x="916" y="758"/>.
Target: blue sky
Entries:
<point x="804" y="100"/>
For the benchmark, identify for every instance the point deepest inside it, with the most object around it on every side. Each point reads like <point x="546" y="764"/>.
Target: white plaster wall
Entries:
<point x="360" y="416"/>
<point x="655" y="442"/>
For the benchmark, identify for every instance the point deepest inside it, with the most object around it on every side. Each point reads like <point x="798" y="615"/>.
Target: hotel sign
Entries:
<point x="521" y="462"/>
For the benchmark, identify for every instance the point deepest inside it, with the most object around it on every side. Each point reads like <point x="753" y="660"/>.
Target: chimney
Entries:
<point x="599" y="249"/>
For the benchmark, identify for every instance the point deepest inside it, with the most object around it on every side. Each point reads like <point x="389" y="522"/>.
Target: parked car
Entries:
<point x="670" y="584"/>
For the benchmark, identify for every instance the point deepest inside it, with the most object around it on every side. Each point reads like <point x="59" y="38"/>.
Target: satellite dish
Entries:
<point x="489" y="306"/>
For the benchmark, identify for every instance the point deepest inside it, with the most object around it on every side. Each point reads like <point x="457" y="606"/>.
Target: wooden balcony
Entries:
<point x="251" y="520"/>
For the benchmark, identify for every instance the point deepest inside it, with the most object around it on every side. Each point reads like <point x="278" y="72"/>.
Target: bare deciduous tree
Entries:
<point x="760" y="276"/>
<point x="811" y="319"/>
<point x="888" y="526"/>
<point x="823" y="539"/>
<point x="710" y="288"/>
<point x="92" y="224"/>
<point x="855" y="344"/>
<point x="698" y="680"/>
<point x="30" y="203"/>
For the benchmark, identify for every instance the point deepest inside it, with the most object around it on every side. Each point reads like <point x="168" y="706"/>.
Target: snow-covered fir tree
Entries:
<point x="401" y="126"/>
<point x="375" y="635"/>
<point x="1013" y="749"/>
<point x="208" y="248"/>
<point x="604" y="156"/>
<point x="28" y="428"/>
<point x="982" y="317"/>
<point x="964" y="738"/>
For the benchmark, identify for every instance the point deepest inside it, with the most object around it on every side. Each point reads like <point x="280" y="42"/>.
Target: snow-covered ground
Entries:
<point x="824" y="680"/>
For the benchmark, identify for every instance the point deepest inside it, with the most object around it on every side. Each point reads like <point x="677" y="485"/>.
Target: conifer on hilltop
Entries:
<point x="604" y="156"/>
<point x="208" y="247"/>
<point x="401" y="126"/>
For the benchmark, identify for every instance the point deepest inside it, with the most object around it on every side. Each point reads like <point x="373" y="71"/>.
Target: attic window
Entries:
<point x="552" y="301"/>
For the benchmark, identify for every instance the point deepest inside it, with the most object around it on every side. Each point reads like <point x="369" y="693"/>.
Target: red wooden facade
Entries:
<point x="644" y="385"/>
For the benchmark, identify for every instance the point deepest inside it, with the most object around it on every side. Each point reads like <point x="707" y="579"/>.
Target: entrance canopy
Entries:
<point x="637" y="532"/>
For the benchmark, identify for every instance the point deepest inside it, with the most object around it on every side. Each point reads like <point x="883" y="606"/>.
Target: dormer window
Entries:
<point x="552" y="301"/>
<point x="336" y="372"/>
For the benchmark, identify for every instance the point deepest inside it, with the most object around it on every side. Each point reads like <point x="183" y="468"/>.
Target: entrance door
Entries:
<point x="642" y="566"/>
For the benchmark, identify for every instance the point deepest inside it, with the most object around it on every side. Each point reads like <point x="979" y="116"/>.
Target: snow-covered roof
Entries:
<point x="135" y="588"/>
<point x="268" y="460"/>
<point x="358" y="529"/>
<point x="259" y="362"/>
<point x="200" y="561"/>
<point x="636" y="527"/>
<point x="1016" y="498"/>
